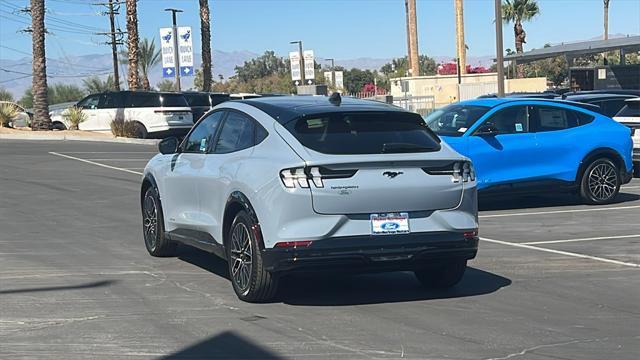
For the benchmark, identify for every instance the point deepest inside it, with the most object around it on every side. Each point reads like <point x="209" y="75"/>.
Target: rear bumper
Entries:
<point x="373" y="253"/>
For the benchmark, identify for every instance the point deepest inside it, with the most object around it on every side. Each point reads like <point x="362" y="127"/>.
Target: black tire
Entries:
<point x="140" y="132"/>
<point x="442" y="276"/>
<point x="58" y="126"/>
<point x="251" y="282"/>
<point x="155" y="239"/>
<point x="600" y="182"/>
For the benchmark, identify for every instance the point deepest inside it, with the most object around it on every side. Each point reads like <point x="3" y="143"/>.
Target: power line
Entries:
<point x="54" y="60"/>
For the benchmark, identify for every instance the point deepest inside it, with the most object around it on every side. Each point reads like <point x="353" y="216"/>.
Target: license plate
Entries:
<point x="390" y="223"/>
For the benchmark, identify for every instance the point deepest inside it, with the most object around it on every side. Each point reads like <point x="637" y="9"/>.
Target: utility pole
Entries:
<point x="116" y="37"/>
<point x="299" y="42"/>
<point x="413" y="36"/>
<point x="406" y="10"/>
<point x="176" y="55"/>
<point x="499" y="50"/>
<point x="461" y="47"/>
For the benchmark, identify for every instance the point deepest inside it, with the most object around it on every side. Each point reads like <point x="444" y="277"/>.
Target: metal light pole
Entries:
<point x="499" y="50"/>
<point x="176" y="55"/>
<point x="299" y="42"/>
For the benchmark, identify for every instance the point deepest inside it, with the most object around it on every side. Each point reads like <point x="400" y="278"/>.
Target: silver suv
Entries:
<point x="283" y="184"/>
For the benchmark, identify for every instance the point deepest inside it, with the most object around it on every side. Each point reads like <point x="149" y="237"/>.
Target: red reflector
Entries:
<point x="284" y="244"/>
<point x="470" y="234"/>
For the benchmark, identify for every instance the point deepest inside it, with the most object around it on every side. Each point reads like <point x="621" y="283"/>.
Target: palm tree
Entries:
<point x="205" y="32"/>
<point x="132" y="31"/>
<point x="148" y="57"/>
<point x="41" y="119"/>
<point x="517" y="11"/>
<point x="461" y="48"/>
<point x="606" y="19"/>
<point x="95" y="85"/>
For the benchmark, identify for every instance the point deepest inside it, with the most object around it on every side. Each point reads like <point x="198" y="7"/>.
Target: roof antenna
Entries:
<point x="335" y="99"/>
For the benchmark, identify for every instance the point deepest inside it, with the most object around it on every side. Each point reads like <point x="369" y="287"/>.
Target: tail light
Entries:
<point x="471" y="234"/>
<point x="293" y="244"/>
<point x="305" y="176"/>
<point x="459" y="170"/>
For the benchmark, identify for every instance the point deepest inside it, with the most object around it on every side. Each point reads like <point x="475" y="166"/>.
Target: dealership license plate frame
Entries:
<point x="399" y="221"/>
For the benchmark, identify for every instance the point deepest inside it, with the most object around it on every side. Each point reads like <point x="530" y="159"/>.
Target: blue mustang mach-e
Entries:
<point x="537" y="145"/>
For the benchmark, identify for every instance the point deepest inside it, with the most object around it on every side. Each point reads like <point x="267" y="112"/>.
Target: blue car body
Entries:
<point x="537" y="156"/>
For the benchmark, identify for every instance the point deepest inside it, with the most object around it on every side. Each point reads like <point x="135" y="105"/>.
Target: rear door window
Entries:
<point x="548" y="118"/>
<point x="198" y="99"/>
<point x="343" y="133"/>
<point x="110" y="101"/>
<point x="237" y="133"/>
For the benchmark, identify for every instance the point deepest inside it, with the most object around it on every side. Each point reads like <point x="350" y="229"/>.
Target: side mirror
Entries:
<point x="487" y="128"/>
<point x="168" y="145"/>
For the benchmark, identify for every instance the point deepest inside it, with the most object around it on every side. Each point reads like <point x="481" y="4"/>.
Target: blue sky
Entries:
<point x="342" y="29"/>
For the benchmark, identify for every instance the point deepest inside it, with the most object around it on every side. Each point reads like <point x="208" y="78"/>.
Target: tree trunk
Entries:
<point x="132" y="31"/>
<point x="205" y="32"/>
<point x="520" y="39"/>
<point x="413" y="31"/>
<point x="462" y="51"/>
<point x="406" y="9"/>
<point x="41" y="119"/>
<point x="145" y="82"/>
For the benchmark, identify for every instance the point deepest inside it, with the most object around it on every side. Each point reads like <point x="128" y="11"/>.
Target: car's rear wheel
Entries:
<point x="155" y="239"/>
<point x="250" y="280"/>
<point x="58" y="126"/>
<point x="140" y="132"/>
<point x="442" y="276"/>
<point x="600" y="182"/>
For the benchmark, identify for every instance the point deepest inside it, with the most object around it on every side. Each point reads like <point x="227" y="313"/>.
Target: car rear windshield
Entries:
<point x="455" y="120"/>
<point x="364" y="133"/>
<point x="632" y="109"/>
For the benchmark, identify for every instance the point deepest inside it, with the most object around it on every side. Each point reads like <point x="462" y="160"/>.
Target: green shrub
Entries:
<point x="122" y="128"/>
<point x="8" y="112"/>
<point x="74" y="116"/>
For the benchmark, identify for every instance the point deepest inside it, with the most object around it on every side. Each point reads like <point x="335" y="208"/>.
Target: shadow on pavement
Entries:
<point x="226" y="345"/>
<point x="511" y="202"/>
<point x="59" y="288"/>
<point x="338" y="289"/>
<point x="204" y="260"/>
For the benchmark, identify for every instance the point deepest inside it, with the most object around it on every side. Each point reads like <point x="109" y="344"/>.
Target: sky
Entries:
<point x="340" y="29"/>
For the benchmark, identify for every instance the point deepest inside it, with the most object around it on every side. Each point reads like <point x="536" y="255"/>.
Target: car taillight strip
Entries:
<point x="458" y="170"/>
<point x="305" y="176"/>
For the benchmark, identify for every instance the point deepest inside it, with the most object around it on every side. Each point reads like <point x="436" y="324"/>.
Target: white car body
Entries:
<point x="629" y="115"/>
<point x="102" y="109"/>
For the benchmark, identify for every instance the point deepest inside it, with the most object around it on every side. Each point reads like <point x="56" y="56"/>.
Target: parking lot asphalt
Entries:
<point x="553" y="279"/>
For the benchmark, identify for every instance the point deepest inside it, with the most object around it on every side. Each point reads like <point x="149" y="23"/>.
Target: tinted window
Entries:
<point x="583" y="118"/>
<point x="611" y="107"/>
<point x="90" y="102"/>
<point x="454" y="120"/>
<point x="554" y="118"/>
<point x="238" y="132"/>
<point x="203" y="134"/>
<point x="197" y="99"/>
<point x="512" y="120"/>
<point x="364" y="133"/>
<point x="218" y="98"/>
<point x="144" y="99"/>
<point x="110" y="101"/>
<point x="631" y="109"/>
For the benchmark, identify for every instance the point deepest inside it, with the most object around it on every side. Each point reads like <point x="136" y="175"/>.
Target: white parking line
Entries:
<point x="111" y="152"/>
<point x="582" y="239"/>
<point x="117" y="159"/>
<point x="560" y="252"/>
<point x="559" y="211"/>
<point x="95" y="163"/>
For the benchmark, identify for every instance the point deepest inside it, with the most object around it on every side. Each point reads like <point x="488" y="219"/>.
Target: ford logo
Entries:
<point x="390" y="226"/>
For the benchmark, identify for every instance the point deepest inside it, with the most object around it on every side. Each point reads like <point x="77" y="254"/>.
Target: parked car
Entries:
<point x="609" y="104"/>
<point x="280" y="184"/>
<point x="538" y="145"/>
<point x="629" y="115"/>
<point x="23" y="117"/>
<point x="202" y="102"/>
<point x="154" y="113"/>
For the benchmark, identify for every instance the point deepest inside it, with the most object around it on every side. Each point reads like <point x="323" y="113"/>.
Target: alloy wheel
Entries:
<point x="150" y="221"/>
<point x="241" y="257"/>
<point x="603" y="181"/>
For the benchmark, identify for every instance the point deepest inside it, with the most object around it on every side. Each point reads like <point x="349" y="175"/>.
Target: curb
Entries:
<point x="63" y="137"/>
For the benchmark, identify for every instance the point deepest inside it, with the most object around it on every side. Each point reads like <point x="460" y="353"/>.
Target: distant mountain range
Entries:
<point x="73" y="69"/>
